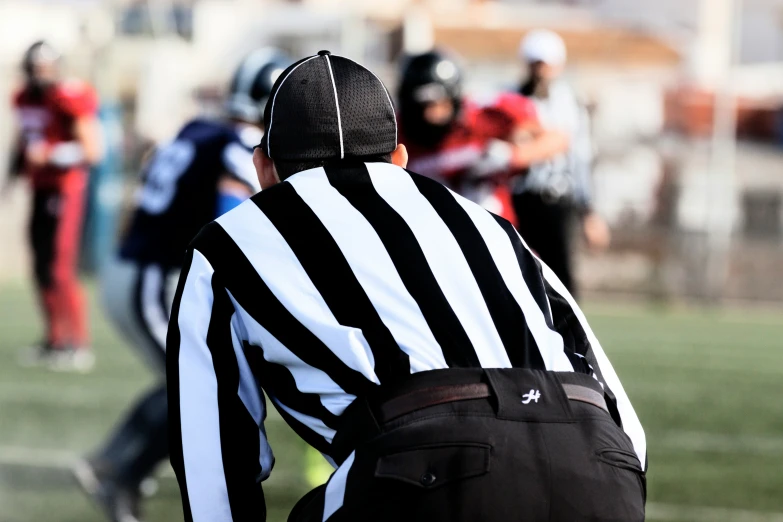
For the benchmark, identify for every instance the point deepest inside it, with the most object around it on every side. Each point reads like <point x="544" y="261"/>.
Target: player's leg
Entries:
<point x="41" y="233"/>
<point x="147" y="423"/>
<point x="137" y="300"/>
<point x="547" y="228"/>
<point x="534" y="222"/>
<point x="561" y="244"/>
<point x="69" y="295"/>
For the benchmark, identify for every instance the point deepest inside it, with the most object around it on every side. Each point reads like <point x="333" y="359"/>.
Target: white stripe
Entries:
<point x="631" y="425"/>
<point x="659" y="511"/>
<point x="446" y="260"/>
<point x="274" y="99"/>
<point x="37" y="457"/>
<point x="155" y="316"/>
<point x="391" y="105"/>
<point x="199" y="414"/>
<point x="317" y="425"/>
<point x="250" y="395"/>
<point x="337" y="105"/>
<point x="335" y="488"/>
<point x="549" y="342"/>
<point x="307" y="378"/>
<point x="373" y="268"/>
<point x="278" y="266"/>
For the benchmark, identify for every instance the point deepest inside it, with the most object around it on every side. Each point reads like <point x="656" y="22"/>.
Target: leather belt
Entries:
<point x="424" y="398"/>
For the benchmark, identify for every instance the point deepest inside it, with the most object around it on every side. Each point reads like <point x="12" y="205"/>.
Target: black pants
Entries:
<point x="54" y="234"/>
<point x="137" y="301"/>
<point x="503" y="458"/>
<point x="548" y="229"/>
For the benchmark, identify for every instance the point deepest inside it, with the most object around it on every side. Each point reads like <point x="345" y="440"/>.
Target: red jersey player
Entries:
<point x="59" y="138"/>
<point x="472" y="147"/>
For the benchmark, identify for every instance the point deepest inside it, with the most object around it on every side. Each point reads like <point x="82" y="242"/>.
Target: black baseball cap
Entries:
<point x="328" y="107"/>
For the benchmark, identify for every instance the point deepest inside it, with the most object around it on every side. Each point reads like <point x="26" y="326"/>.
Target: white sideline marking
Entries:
<point x="64" y="459"/>
<point x="37" y="458"/>
<point x="22" y="392"/>
<point x="659" y="511"/>
<point x="721" y="443"/>
<point x="48" y="458"/>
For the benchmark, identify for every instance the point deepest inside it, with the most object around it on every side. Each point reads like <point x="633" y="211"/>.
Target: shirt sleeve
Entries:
<point x="505" y="114"/>
<point x="588" y="357"/>
<point x="519" y="109"/>
<point x="77" y="99"/>
<point x="219" y="450"/>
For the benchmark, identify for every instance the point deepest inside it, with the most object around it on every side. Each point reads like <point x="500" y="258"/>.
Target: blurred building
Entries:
<point x="657" y="76"/>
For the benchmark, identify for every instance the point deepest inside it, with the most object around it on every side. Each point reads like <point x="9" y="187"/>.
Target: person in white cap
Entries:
<point x="549" y="197"/>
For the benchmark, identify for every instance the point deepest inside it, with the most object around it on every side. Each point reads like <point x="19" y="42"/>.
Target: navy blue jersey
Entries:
<point x="179" y="191"/>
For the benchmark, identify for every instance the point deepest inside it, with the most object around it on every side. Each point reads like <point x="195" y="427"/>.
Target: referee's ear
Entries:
<point x="400" y="156"/>
<point x="265" y="169"/>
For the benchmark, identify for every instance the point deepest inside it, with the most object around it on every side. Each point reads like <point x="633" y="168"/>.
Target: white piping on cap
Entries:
<point x="337" y="104"/>
<point x="272" y="110"/>
<point x="391" y="105"/>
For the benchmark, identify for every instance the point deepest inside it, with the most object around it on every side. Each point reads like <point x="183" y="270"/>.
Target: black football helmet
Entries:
<point x="252" y="83"/>
<point x="426" y="78"/>
<point x="41" y="53"/>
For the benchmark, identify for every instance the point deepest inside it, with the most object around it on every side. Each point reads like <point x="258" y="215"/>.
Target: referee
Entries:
<point x="404" y="332"/>
<point x="554" y="196"/>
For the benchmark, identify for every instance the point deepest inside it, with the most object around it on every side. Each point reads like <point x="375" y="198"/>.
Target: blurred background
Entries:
<point x="686" y="104"/>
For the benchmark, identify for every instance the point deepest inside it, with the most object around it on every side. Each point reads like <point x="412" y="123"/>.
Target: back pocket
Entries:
<point x="620" y="459"/>
<point x="627" y="460"/>
<point x="435" y="465"/>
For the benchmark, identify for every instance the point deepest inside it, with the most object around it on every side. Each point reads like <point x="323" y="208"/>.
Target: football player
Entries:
<point x="58" y="140"/>
<point x="471" y="145"/>
<point x="205" y="171"/>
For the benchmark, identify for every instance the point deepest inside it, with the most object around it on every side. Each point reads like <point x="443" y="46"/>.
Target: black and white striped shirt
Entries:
<point x="330" y="284"/>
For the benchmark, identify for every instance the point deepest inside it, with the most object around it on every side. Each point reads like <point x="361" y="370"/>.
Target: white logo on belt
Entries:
<point x="534" y="395"/>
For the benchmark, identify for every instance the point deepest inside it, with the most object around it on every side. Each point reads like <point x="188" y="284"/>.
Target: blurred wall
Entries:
<point x="647" y="70"/>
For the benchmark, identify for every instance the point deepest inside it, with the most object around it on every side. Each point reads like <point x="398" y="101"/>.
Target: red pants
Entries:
<point x="55" y="232"/>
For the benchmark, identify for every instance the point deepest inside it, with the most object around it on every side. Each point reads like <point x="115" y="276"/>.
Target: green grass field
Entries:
<point x="708" y="387"/>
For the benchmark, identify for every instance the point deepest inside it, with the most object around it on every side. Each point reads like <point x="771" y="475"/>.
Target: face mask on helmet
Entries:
<point x="41" y="66"/>
<point x="429" y="98"/>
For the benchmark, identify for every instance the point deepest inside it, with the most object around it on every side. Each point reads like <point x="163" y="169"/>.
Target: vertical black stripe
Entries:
<point x="172" y="379"/>
<point x="239" y="434"/>
<point x="355" y="185"/>
<point x="279" y="382"/>
<point x="575" y="341"/>
<point x="531" y="269"/>
<point x="327" y="268"/>
<point x="255" y="297"/>
<point x="364" y="465"/>
<point x="507" y="315"/>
